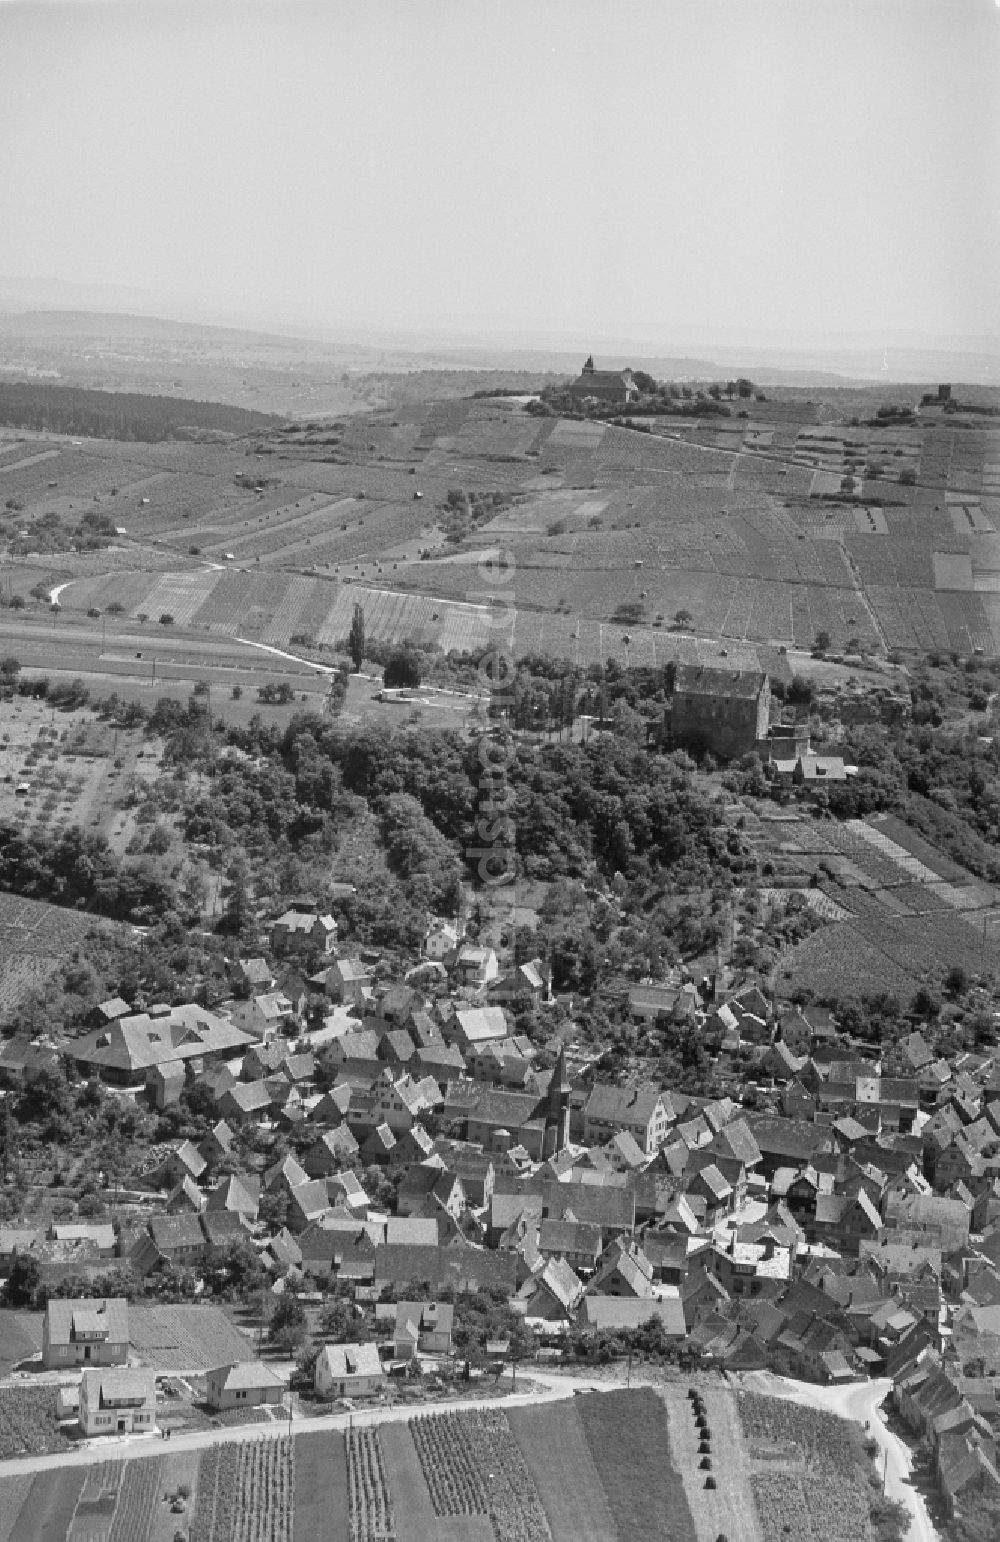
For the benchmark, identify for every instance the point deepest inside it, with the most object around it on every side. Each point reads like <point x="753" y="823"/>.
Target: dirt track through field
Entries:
<point x="729" y="1509"/>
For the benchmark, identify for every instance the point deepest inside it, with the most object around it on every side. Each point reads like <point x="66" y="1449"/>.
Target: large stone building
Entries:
<point x="604" y="385"/>
<point x="725" y="711"/>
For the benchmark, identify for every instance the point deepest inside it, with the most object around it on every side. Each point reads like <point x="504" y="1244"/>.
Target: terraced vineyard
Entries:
<point x="744" y="523"/>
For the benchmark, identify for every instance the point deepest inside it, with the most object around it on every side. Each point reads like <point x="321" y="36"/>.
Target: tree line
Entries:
<point x="120" y="415"/>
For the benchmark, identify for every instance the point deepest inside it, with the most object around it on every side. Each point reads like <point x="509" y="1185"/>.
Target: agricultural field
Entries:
<point x="62" y="768"/>
<point x="606" y="1467"/>
<point x="34" y="938"/>
<point x="725" y="1510"/>
<point x="742" y="523"/>
<point x="185" y="1338"/>
<point x="808" y="1471"/>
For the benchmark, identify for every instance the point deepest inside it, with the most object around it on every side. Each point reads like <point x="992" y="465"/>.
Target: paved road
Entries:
<point x="112" y="1449"/>
<point x="862" y="1401"/>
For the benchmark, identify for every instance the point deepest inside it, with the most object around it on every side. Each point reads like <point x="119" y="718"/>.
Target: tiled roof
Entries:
<point x="87" y="1314"/>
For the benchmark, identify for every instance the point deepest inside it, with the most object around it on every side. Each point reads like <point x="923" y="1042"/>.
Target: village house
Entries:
<point x="349" y="1370"/>
<point x="347" y="981"/>
<point x="303" y="931"/>
<point x="424" y="1327"/>
<point x="252" y="976"/>
<point x="244" y="1384"/>
<point x="639" y="1110"/>
<point x="441" y="939"/>
<point x="263" y="1015"/>
<point x="474" y="967"/>
<point x="117" y="1402"/>
<point x="85" y="1331"/>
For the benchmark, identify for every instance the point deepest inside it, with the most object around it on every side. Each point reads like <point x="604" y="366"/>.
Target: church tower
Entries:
<point x="557" y="1111"/>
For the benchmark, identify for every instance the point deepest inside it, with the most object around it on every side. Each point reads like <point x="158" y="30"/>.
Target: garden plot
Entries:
<point x="415" y="1516"/>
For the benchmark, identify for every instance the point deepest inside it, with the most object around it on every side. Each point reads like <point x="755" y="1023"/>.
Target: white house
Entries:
<point x="349" y="1370"/>
<point x="118" y="1402"/>
<point x="441" y="939"/>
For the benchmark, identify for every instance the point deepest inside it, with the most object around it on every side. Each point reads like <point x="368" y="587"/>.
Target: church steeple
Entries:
<point x="588" y="368"/>
<point x="560" y="1088"/>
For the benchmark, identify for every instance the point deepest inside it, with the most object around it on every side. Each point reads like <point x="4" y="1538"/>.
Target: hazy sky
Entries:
<point x="668" y="170"/>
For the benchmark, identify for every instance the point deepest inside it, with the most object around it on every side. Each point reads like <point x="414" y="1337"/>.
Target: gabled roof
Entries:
<point x="188" y="1154"/>
<point x="170" y="1232"/>
<point x="345" y="1360"/>
<point x="310" y="1198"/>
<point x="479" y="1024"/>
<point x="630" y="1312"/>
<point x="559" y="1280"/>
<point x="124" y="1384"/>
<point x="610" y="1104"/>
<point x="87" y="1314"/>
<point x="246" y="1376"/>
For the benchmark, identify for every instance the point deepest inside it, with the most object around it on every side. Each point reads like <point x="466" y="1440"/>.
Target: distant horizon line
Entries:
<point x="494" y="331"/>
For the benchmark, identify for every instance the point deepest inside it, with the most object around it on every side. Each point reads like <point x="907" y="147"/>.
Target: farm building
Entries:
<point x="349" y="1370"/>
<point x="85" y="1332"/>
<point x="725" y="711"/>
<point x="248" y="1384"/>
<point x="120" y="1402"/>
<point x="604" y="385"/>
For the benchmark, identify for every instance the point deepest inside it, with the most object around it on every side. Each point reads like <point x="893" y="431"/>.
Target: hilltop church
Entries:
<point x="604" y="385"/>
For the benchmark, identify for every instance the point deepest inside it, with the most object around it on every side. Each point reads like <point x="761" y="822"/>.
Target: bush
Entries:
<point x="166" y="619"/>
